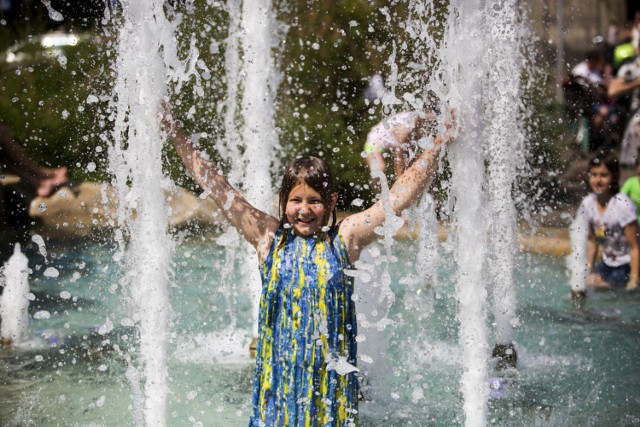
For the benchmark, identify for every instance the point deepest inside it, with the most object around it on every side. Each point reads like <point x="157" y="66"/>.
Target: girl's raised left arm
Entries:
<point x="254" y="225"/>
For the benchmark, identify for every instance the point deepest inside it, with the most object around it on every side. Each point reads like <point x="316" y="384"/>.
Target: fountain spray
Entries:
<point x="15" y="303"/>
<point x="146" y="45"/>
<point x="504" y="149"/>
<point x="483" y="51"/>
<point x="462" y="53"/>
<point x="577" y="259"/>
<point x="251" y="139"/>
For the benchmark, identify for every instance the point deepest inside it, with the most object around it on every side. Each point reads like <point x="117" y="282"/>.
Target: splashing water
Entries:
<point x="482" y="49"/>
<point x="462" y="54"/>
<point x="15" y="303"/>
<point x="427" y="240"/>
<point x="577" y="259"/>
<point x="504" y="149"/>
<point x="251" y="139"/>
<point x="145" y="45"/>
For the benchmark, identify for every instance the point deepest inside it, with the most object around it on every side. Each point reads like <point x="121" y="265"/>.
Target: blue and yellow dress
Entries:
<point x="306" y="353"/>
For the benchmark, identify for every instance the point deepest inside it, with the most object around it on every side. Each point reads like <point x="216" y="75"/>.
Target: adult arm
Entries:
<point x="15" y="159"/>
<point x="619" y="86"/>
<point x="257" y="227"/>
<point x="593" y="279"/>
<point x="631" y="233"/>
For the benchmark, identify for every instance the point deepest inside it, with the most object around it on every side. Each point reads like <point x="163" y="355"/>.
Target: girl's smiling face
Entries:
<point x="305" y="211"/>
<point x="600" y="179"/>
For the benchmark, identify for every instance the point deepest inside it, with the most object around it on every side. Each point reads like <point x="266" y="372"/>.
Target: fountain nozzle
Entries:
<point x="506" y="355"/>
<point x="578" y="294"/>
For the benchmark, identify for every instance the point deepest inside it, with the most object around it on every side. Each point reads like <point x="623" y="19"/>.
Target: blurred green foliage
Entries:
<point x="57" y="103"/>
<point x="44" y="100"/>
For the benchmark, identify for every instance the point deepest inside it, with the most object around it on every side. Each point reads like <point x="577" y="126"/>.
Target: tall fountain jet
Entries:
<point x="504" y="149"/>
<point x="462" y="54"/>
<point x="250" y="137"/>
<point x="482" y="56"/>
<point x="14" y="306"/>
<point x="489" y="80"/>
<point x="577" y="259"/>
<point x="146" y="44"/>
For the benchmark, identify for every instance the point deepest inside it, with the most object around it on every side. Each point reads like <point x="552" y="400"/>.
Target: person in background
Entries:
<point x="631" y="188"/>
<point x="635" y="33"/>
<point x="590" y="99"/>
<point x="612" y="225"/>
<point x="625" y="87"/>
<point x="590" y="69"/>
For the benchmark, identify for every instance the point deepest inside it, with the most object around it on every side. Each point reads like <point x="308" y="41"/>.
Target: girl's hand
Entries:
<point x="632" y="285"/>
<point x="595" y="281"/>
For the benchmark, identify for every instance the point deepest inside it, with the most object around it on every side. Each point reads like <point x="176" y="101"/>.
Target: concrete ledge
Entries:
<point x="90" y="208"/>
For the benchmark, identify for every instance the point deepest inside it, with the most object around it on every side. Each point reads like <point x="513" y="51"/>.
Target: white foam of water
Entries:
<point x="435" y="352"/>
<point x="427" y="240"/>
<point x="369" y="295"/>
<point x="254" y="33"/>
<point x="504" y="148"/>
<point x="15" y="303"/>
<point x="530" y="360"/>
<point x="463" y="54"/>
<point x="392" y="223"/>
<point x="577" y="259"/>
<point x="38" y="240"/>
<point x="226" y="347"/>
<point x="146" y="43"/>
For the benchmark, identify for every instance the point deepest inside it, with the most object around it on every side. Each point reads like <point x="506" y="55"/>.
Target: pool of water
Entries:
<point x="577" y="365"/>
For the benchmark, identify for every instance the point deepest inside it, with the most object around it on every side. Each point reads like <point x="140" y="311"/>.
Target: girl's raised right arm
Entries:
<point x="256" y="226"/>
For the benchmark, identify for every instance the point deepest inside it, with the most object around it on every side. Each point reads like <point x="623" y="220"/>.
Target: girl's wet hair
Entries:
<point x="316" y="174"/>
<point x="610" y="161"/>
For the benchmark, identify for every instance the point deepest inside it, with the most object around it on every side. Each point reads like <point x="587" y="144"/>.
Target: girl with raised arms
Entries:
<point x="306" y="352"/>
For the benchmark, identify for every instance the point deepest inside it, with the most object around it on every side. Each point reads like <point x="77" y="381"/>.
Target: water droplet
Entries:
<point x="62" y="60"/>
<point x="42" y="314"/>
<point x="51" y="272"/>
<point x="42" y="207"/>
